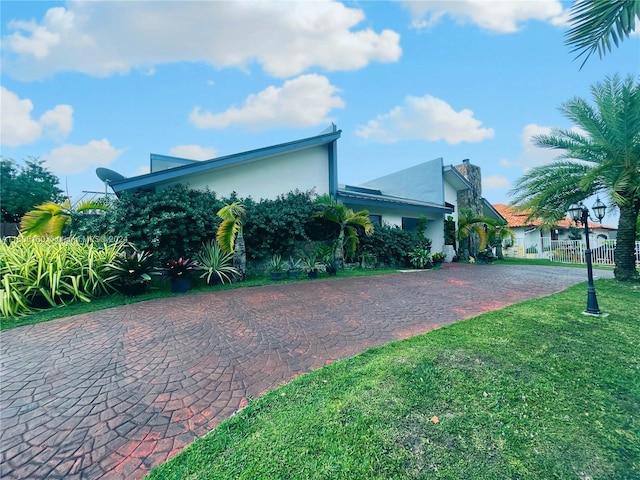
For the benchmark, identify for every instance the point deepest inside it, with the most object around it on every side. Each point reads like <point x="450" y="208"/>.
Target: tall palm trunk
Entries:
<point x="625" y="257"/>
<point x="339" y="250"/>
<point x="240" y="256"/>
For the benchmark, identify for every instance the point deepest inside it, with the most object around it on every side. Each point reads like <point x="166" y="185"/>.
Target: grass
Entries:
<point x="533" y="391"/>
<point x="159" y="289"/>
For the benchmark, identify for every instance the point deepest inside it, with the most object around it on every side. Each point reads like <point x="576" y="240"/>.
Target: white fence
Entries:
<point x="566" y="251"/>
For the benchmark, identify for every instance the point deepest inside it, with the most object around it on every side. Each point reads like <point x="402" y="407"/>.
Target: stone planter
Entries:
<point x="180" y="284"/>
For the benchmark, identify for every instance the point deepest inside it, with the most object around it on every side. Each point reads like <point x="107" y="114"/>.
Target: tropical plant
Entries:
<point x="50" y="218"/>
<point x="310" y="263"/>
<point x="348" y="223"/>
<point x="24" y="187"/>
<point x="438" y="257"/>
<point x="449" y="231"/>
<point x="497" y="235"/>
<point x="420" y="258"/>
<point x="134" y="267"/>
<point x="276" y="265"/>
<point x="603" y="158"/>
<point x="37" y="273"/>
<point x="215" y="263"/>
<point x="473" y="231"/>
<point x="180" y="268"/>
<point x="595" y="23"/>
<point x="230" y="234"/>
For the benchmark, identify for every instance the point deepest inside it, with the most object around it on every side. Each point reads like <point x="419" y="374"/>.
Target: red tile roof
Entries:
<point x="516" y="218"/>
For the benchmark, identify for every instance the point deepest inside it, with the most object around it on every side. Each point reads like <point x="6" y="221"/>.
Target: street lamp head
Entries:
<point x="599" y="209"/>
<point x="575" y="212"/>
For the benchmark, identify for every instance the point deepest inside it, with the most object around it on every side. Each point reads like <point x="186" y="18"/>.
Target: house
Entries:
<point x="430" y="188"/>
<point x="534" y="236"/>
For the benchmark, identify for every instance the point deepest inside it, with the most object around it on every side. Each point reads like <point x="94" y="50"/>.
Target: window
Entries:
<point x="409" y="224"/>
<point x="376" y="220"/>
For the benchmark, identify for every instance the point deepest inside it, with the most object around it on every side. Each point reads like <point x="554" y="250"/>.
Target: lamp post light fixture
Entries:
<point x="580" y="213"/>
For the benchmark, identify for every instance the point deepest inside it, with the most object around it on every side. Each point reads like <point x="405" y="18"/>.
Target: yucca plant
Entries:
<point x="216" y="264"/>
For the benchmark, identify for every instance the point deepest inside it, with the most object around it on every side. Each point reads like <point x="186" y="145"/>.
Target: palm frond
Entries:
<point x="595" y="24"/>
<point x="38" y="221"/>
<point x="226" y="235"/>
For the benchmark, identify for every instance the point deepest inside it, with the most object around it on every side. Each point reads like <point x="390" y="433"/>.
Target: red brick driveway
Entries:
<point x="113" y="393"/>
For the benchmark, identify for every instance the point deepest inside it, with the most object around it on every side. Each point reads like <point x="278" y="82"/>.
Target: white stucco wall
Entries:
<point x="451" y="196"/>
<point x="435" y="222"/>
<point x="269" y="177"/>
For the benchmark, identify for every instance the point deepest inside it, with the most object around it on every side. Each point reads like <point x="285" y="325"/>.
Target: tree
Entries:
<point x="473" y="231"/>
<point x="497" y="234"/>
<point x="603" y="158"/>
<point x="230" y="234"/>
<point x="595" y="23"/>
<point x="347" y="222"/>
<point x="51" y="218"/>
<point x="24" y="187"/>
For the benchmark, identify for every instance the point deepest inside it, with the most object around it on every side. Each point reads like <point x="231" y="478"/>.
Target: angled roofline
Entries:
<point x="454" y="177"/>
<point x="169" y="158"/>
<point x="367" y="199"/>
<point x="493" y="210"/>
<point x="150" y="180"/>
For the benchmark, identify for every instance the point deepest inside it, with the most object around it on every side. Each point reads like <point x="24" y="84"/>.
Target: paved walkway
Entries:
<point x="113" y="393"/>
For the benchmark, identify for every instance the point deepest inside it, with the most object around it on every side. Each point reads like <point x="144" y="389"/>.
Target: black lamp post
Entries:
<point x="580" y="213"/>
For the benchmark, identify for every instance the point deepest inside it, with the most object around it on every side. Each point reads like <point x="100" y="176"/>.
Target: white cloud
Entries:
<point x="495" y="182"/>
<point x="285" y="38"/>
<point x="426" y="118"/>
<point x="142" y="170"/>
<point x="17" y="127"/>
<point x="302" y="102"/>
<point x="502" y="16"/>
<point x="59" y="121"/>
<point x="532" y="156"/>
<point x="193" y="152"/>
<point x="69" y="159"/>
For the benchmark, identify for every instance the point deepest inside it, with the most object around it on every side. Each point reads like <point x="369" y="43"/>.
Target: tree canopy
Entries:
<point x="22" y="187"/>
<point x="601" y="157"/>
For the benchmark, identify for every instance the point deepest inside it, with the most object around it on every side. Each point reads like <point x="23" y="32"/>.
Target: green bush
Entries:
<point x="172" y="223"/>
<point x="390" y="245"/>
<point x="279" y="226"/>
<point x="40" y="272"/>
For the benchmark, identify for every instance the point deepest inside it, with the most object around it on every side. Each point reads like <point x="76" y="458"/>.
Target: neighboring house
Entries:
<point x="534" y="236"/>
<point x="400" y="198"/>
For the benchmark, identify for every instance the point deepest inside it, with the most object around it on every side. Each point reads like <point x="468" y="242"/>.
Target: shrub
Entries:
<point x="278" y="226"/>
<point x="390" y="245"/>
<point x="40" y="272"/>
<point x="171" y="223"/>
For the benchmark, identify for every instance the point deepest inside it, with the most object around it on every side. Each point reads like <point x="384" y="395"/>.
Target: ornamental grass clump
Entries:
<point x="43" y="272"/>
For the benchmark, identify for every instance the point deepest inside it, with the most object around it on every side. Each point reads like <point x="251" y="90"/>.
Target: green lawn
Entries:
<point x="533" y="391"/>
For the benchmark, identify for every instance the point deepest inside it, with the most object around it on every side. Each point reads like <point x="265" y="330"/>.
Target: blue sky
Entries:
<point x="104" y="84"/>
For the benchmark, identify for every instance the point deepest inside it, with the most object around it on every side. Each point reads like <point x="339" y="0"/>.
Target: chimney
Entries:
<point x="470" y="199"/>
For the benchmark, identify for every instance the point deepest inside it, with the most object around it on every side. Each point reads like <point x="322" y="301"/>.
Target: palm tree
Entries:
<point x="473" y="231"/>
<point x="230" y="235"/>
<point x="348" y="223"/>
<point x="594" y="23"/>
<point x="497" y="234"/>
<point x="50" y="218"/>
<point x="603" y="158"/>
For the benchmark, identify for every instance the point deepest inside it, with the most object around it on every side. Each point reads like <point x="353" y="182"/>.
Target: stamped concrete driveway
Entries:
<point x="113" y="393"/>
